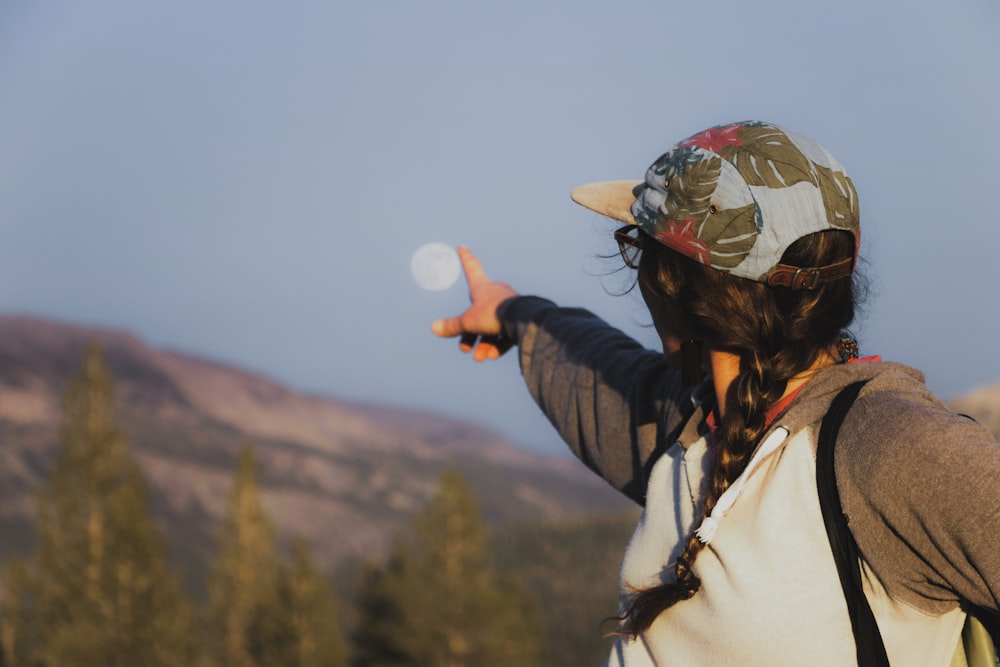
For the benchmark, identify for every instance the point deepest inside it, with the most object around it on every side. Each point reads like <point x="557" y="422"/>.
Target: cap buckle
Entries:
<point x="801" y="274"/>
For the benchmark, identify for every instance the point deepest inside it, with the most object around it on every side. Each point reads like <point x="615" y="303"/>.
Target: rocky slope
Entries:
<point x="344" y="477"/>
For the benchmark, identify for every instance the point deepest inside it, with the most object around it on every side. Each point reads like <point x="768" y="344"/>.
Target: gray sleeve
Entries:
<point x="922" y="490"/>
<point x="616" y="404"/>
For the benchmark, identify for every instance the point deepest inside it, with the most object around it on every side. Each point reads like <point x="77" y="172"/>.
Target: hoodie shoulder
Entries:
<point x="917" y="481"/>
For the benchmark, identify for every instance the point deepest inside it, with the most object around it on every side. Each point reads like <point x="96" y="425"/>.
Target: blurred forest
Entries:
<point x="98" y="589"/>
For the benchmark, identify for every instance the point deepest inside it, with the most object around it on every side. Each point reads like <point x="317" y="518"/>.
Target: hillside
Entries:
<point x="344" y="477"/>
<point x="983" y="405"/>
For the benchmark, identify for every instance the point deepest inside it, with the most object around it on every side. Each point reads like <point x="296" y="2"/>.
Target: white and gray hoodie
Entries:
<point x="920" y="486"/>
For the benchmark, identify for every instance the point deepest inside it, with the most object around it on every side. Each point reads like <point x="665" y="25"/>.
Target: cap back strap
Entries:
<point x="797" y="277"/>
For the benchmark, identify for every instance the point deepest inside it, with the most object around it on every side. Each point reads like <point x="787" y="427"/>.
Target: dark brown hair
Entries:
<point x="777" y="333"/>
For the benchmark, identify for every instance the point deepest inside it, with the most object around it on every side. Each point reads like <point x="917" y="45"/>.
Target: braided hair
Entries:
<point x="777" y="334"/>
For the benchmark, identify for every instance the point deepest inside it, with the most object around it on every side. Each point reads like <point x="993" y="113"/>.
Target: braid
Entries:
<point x="777" y="333"/>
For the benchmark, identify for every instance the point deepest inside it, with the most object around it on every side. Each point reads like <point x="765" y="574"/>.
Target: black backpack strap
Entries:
<point x="871" y="650"/>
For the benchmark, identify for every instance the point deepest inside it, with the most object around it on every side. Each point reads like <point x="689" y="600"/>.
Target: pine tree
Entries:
<point x="243" y="578"/>
<point x="439" y="602"/>
<point x="265" y="612"/>
<point x="19" y="629"/>
<point x="306" y="631"/>
<point x="379" y="637"/>
<point x="102" y="592"/>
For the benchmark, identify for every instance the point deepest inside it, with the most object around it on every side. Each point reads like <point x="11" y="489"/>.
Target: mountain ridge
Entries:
<point x="346" y="477"/>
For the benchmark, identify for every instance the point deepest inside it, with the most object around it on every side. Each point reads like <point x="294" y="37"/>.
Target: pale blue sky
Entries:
<point x="246" y="181"/>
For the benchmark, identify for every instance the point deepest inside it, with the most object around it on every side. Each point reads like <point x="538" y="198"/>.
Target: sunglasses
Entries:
<point x="629" y="245"/>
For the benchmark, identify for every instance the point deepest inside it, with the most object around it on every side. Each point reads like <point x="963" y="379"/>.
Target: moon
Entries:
<point x="435" y="266"/>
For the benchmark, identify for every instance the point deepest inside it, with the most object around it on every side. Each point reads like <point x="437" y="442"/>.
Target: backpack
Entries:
<point x="981" y="632"/>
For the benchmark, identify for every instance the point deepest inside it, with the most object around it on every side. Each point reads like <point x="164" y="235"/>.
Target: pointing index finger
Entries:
<point x="474" y="274"/>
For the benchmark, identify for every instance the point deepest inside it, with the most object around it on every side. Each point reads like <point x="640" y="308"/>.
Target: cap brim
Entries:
<point x="611" y="198"/>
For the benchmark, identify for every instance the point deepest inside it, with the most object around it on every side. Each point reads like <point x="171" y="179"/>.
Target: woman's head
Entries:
<point x="749" y="224"/>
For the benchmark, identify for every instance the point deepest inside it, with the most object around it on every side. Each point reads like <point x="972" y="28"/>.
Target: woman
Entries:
<point x="744" y="238"/>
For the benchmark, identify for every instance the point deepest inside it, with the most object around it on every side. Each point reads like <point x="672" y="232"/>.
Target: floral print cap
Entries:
<point x="734" y="197"/>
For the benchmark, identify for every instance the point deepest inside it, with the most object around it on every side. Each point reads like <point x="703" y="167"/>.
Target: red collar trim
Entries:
<point x="772" y="414"/>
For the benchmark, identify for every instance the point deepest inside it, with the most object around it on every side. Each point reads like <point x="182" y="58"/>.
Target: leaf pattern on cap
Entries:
<point x="686" y="222"/>
<point x="691" y="188"/>
<point x="766" y="156"/>
<point x="730" y="234"/>
<point x="839" y="198"/>
<point x="674" y="163"/>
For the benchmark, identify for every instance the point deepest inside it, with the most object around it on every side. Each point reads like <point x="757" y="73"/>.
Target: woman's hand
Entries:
<point x="478" y="326"/>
